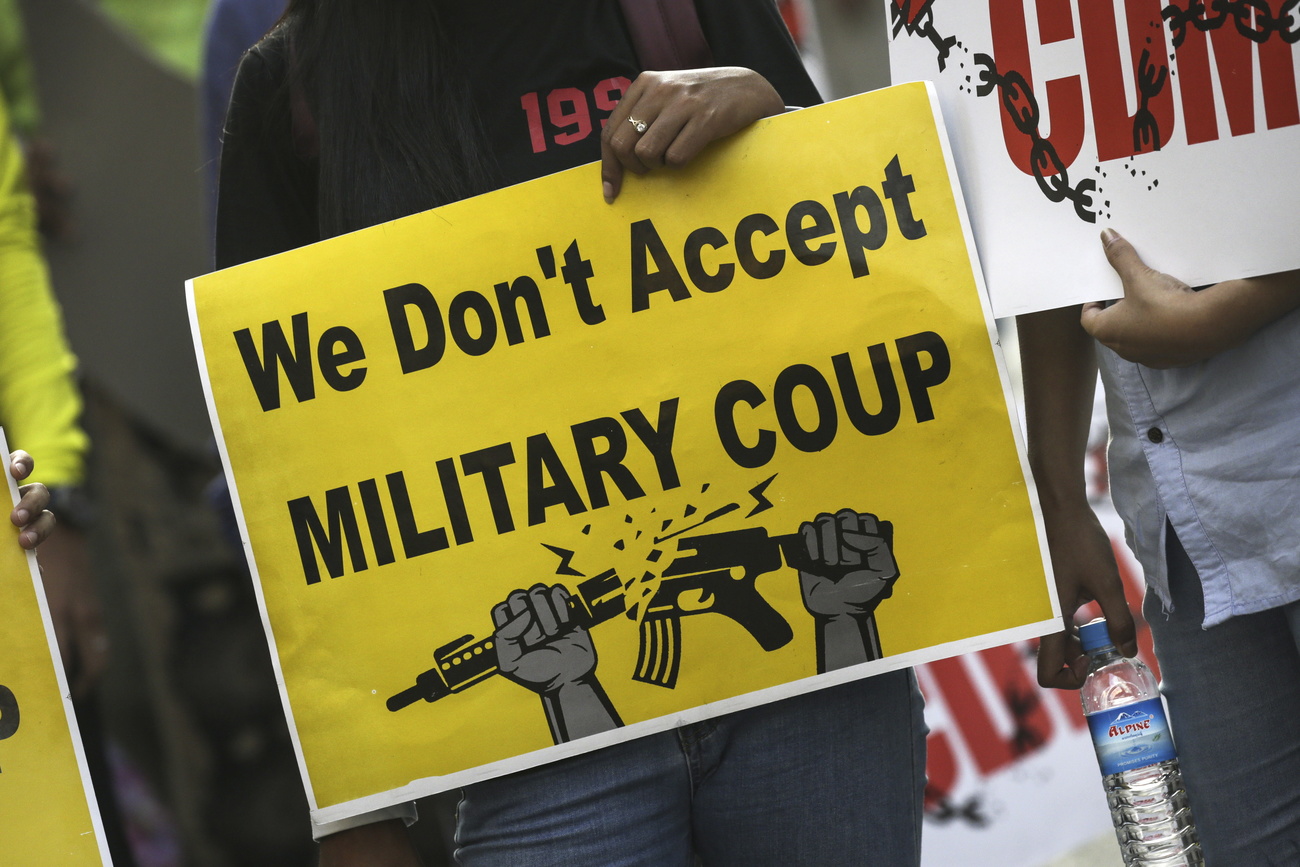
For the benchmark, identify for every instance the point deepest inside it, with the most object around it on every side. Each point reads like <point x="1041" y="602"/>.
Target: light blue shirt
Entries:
<point x="1215" y="449"/>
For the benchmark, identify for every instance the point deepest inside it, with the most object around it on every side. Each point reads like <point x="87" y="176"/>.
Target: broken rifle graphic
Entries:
<point x="713" y="573"/>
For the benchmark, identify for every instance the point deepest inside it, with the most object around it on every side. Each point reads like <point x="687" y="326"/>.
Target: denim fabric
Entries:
<point x="830" y="778"/>
<point x="1234" y="704"/>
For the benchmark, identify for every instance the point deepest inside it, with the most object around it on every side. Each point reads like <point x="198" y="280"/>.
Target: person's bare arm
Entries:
<point x="1060" y="375"/>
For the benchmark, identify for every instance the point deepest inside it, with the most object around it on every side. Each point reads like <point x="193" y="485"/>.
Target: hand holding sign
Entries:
<point x="675" y="114"/>
<point x="1162" y="322"/>
<point x="30" y="515"/>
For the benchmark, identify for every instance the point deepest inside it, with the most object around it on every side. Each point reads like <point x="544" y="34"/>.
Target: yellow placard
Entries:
<point x="47" y="807"/>
<point x="530" y="473"/>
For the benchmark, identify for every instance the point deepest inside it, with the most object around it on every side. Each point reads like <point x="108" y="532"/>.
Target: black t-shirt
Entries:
<point x="543" y="84"/>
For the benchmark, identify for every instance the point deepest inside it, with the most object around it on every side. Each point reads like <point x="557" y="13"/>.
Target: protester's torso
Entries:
<point x="1215" y="449"/>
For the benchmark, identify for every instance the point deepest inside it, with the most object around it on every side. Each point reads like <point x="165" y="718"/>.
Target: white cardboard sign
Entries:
<point x="1176" y="124"/>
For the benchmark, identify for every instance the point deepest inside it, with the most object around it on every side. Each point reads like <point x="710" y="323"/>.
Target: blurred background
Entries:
<point x="117" y="104"/>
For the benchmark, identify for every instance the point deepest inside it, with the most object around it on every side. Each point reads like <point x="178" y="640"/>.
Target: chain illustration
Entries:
<point x="1050" y="171"/>
<point x="1150" y="81"/>
<point x="944" y="810"/>
<point x="917" y="17"/>
<point x="1020" y="104"/>
<point x="1215" y="14"/>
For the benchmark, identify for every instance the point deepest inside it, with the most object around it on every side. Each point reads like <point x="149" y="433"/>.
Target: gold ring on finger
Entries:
<point x="639" y="125"/>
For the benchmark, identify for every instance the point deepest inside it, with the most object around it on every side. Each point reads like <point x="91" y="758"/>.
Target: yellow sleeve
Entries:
<point x="16" y="71"/>
<point x="39" y="401"/>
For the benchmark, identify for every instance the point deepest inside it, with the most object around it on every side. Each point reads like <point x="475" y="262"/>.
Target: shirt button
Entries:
<point x="1156" y="435"/>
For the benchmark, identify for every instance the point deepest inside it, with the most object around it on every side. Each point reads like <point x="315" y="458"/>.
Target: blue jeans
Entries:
<point x="831" y="778"/>
<point x="1234" y="705"/>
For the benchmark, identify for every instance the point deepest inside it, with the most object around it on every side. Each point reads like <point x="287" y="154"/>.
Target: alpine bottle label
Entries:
<point x="1130" y="737"/>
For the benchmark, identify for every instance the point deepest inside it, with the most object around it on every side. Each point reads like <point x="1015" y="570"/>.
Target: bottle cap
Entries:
<point x="1094" y="635"/>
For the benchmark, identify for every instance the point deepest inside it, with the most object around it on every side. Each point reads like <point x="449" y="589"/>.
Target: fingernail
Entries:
<point x="28" y="539"/>
<point x="23" y="515"/>
<point x="609" y="193"/>
<point x="1108" y="235"/>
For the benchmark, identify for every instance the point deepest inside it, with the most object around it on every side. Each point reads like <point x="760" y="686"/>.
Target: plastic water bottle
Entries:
<point x="1144" y="788"/>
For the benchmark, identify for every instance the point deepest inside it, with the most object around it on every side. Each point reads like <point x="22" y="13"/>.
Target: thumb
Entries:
<point x="1092" y="316"/>
<point x="1121" y="255"/>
